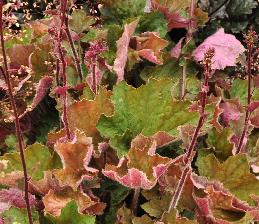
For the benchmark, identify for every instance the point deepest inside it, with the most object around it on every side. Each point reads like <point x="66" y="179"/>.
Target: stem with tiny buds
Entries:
<point x="18" y="131"/>
<point x="72" y="45"/>
<point x="63" y="69"/>
<point x="250" y="40"/>
<point x="188" y="157"/>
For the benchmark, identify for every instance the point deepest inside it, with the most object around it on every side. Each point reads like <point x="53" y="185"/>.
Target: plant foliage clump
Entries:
<point x="129" y="112"/>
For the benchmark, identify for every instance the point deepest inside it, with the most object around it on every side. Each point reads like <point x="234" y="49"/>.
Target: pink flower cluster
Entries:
<point x="94" y="50"/>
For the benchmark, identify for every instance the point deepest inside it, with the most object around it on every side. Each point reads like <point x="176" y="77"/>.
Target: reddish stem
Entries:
<point x="190" y="30"/>
<point x="190" y="150"/>
<point x="63" y="70"/>
<point x="179" y="188"/>
<point x="72" y="45"/>
<point x="135" y="199"/>
<point x="57" y="72"/>
<point x="249" y="97"/>
<point x="94" y="78"/>
<point x="17" y="122"/>
<point x="203" y="101"/>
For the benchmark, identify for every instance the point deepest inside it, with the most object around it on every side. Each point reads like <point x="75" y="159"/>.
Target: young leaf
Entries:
<point x="174" y="11"/>
<point x="227" y="49"/>
<point x="15" y="198"/>
<point x="41" y="90"/>
<point x="176" y="50"/>
<point x="219" y="206"/>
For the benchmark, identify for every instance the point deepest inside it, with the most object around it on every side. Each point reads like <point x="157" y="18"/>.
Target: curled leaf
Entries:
<point x="141" y="168"/>
<point x="122" y="49"/>
<point x="76" y="156"/>
<point x="234" y="173"/>
<point x="149" y="46"/>
<point x="176" y="50"/>
<point x="55" y="201"/>
<point x="220" y="207"/>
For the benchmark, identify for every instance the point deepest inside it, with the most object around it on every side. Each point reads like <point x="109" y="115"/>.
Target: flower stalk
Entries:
<point x="188" y="157"/>
<point x="92" y="61"/>
<point x="250" y="40"/>
<point x="72" y="45"/>
<point x="18" y="131"/>
<point x="63" y="69"/>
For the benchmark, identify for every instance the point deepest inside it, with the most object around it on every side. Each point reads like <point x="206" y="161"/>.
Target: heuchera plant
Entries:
<point x="127" y="112"/>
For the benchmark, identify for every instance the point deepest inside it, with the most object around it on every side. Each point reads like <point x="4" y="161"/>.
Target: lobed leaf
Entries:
<point x="146" y="110"/>
<point x="92" y="111"/>
<point x="234" y="174"/>
<point x="76" y="156"/>
<point x="141" y="168"/>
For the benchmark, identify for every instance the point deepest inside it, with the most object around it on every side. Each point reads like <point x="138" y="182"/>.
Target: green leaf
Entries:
<point x="80" y="21"/>
<point x="23" y="37"/>
<point x="153" y="22"/>
<point x="118" y="11"/>
<point x="147" y="110"/>
<point x="70" y="215"/>
<point x="235" y="26"/>
<point x="38" y="159"/>
<point x="239" y="91"/>
<point x="72" y="76"/>
<point x="171" y="217"/>
<point x="117" y="194"/>
<point x="94" y="35"/>
<point x="145" y="219"/>
<point x="220" y="141"/>
<point x="240" y="7"/>
<point x="18" y="216"/>
<point x="234" y="173"/>
<point x="11" y="142"/>
<point x="113" y="34"/>
<point x="156" y="206"/>
<point x="170" y="69"/>
<point x="38" y="60"/>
